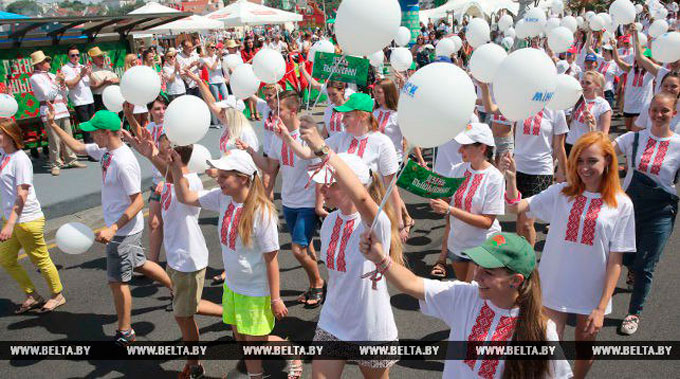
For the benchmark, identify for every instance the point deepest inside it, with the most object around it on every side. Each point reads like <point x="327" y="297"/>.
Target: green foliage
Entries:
<point x="24" y="7"/>
<point x="75" y="5"/>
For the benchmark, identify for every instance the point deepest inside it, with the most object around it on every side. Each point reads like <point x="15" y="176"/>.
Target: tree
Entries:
<point x="124" y="9"/>
<point x="24" y="7"/>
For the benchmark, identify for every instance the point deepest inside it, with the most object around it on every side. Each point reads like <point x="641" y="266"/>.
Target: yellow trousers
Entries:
<point x="29" y="236"/>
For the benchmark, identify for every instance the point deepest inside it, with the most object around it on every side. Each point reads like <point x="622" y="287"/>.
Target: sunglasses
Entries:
<point x="74" y="55"/>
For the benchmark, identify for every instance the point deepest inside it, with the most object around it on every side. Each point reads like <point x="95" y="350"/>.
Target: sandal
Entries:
<point x="294" y="370"/>
<point x="38" y="302"/>
<point x="218" y="279"/>
<point x="58" y="302"/>
<point x="438" y="270"/>
<point x="318" y="295"/>
<point x="302" y="299"/>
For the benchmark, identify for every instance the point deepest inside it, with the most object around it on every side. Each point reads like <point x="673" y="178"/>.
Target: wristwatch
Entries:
<point x="323" y="151"/>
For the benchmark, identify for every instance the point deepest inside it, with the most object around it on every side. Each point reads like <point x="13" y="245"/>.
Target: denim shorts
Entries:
<point x="302" y="224"/>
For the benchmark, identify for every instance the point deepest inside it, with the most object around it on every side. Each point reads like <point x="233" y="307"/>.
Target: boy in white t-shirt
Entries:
<point x="121" y="203"/>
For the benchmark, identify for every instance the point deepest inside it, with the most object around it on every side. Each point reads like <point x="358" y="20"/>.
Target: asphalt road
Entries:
<point x="89" y="313"/>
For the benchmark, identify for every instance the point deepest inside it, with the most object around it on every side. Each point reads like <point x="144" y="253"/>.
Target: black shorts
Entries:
<point x="530" y="185"/>
<point x="84" y="112"/>
<point x="628" y="115"/>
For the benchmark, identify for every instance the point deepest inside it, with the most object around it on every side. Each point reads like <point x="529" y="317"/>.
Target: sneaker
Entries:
<point x="192" y="372"/>
<point x="630" y="325"/>
<point x="76" y="164"/>
<point x="125" y="337"/>
<point x="55" y="171"/>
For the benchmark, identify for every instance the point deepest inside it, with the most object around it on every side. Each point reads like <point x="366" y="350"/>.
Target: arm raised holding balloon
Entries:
<point x="129" y="116"/>
<point x="489" y="105"/>
<point x="184" y="194"/>
<point x="645" y="62"/>
<point x="617" y="59"/>
<point x="207" y="96"/>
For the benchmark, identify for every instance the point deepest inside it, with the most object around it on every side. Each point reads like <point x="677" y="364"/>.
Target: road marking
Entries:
<point x="51" y="246"/>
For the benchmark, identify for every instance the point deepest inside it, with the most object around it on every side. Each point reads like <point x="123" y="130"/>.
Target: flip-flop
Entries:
<point x="304" y="297"/>
<point x="317" y="294"/>
<point x="60" y="302"/>
<point x="38" y="303"/>
<point x="438" y="270"/>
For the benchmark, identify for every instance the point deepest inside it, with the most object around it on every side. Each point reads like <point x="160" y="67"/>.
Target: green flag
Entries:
<point x="346" y="69"/>
<point x="422" y="182"/>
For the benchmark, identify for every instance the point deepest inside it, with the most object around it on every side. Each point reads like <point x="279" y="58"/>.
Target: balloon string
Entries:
<point x="389" y="190"/>
<point x="278" y="106"/>
<point x="328" y="80"/>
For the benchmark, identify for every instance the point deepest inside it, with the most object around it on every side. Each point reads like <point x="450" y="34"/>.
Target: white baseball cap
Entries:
<point x="562" y="66"/>
<point x="476" y="132"/>
<point x="327" y="174"/>
<point x="231" y="102"/>
<point x="235" y="160"/>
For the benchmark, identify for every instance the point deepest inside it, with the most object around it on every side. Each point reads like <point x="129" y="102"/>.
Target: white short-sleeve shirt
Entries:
<point x="534" y="141"/>
<point x="448" y="155"/>
<point x="296" y="190"/>
<point x="639" y="87"/>
<point x="245" y="268"/>
<point x="80" y="94"/>
<point x="474" y="319"/>
<point x="268" y="123"/>
<point x="643" y="120"/>
<point x="333" y="120"/>
<point x="375" y="149"/>
<point x="16" y="169"/>
<point x="214" y="76"/>
<point x="174" y="87"/>
<point x="388" y="125"/>
<point x="658" y="158"/>
<point x="583" y="231"/>
<point x="578" y="127"/>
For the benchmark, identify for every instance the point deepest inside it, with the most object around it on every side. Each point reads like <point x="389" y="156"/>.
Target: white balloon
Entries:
<point x="623" y="11"/>
<point x="661" y="13"/>
<point x="485" y="61"/>
<point x="199" y="155"/>
<point x="639" y="8"/>
<point x="567" y="92"/>
<point x="435" y="104"/>
<point x="638" y="25"/>
<point x="535" y="21"/>
<point x="510" y="33"/>
<point x="140" y="85"/>
<point x="187" y="120"/>
<point x="8" y="105"/>
<point x="364" y="27"/>
<point x="507" y="43"/>
<point x="446" y="47"/>
<point x="596" y="23"/>
<point x="642" y="38"/>
<point x="551" y="24"/>
<point x="113" y="99"/>
<point x="403" y="36"/>
<point x="378" y="58"/>
<point x="560" y="39"/>
<point x="505" y="22"/>
<point x="401" y="59"/>
<point x="478" y="32"/>
<point x="570" y="23"/>
<point x="322" y="46"/>
<point x="607" y="35"/>
<point x="524" y="83"/>
<point x="580" y="21"/>
<point x="232" y="61"/>
<point x="74" y="238"/>
<point x="658" y="28"/>
<point x="244" y="82"/>
<point x="522" y="29"/>
<point x="458" y="41"/>
<point x="588" y="15"/>
<point x="557" y="6"/>
<point x="666" y="48"/>
<point x="269" y="65"/>
<point x="607" y="19"/>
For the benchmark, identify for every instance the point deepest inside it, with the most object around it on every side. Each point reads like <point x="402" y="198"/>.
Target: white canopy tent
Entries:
<point x="193" y="23"/>
<point x="474" y="8"/>
<point x="243" y="13"/>
<point x="153" y="7"/>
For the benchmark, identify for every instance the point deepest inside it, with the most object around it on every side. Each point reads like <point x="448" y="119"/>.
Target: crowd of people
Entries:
<point x="558" y="166"/>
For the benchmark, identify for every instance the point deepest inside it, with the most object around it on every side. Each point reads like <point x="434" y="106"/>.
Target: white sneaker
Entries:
<point x="630" y="324"/>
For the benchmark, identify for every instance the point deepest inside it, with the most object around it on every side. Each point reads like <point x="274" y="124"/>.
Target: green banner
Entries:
<point x="422" y="182"/>
<point x="16" y="69"/>
<point x="348" y="70"/>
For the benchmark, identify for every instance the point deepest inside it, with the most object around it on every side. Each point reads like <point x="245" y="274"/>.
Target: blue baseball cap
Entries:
<point x="591" y="57"/>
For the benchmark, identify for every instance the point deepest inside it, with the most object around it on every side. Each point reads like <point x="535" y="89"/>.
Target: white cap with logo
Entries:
<point x="327" y="174"/>
<point x="235" y="160"/>
<point x="476" y="132"/>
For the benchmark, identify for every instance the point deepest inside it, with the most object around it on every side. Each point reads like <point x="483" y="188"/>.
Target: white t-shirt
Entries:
<point x="353" y="310"/>
<point x="268" y="122"/>
<point x="186" y="61"/>
<point x="481" y="193"/>
<point x="227" y="141"/>
<point x="16" y="169"/>
<point x="245" y="268"/>
<point x="121" y="178"/>
<point x="156" y="132"/>
<point x="182" y="237"/>
<point x="610" y="71"/>
<point x="333" y="120"/>
<point x="639" y="88"/>
<point x="643" y="120"/>
<point x="45" y="88"/>
<point x="174" y="87"/>
<point x="448" y="155"/>
<point x="278" y="46"/>
<point x="294" y="177"/>
<point x="387" y="124"/>
<point x="214" y="76"/>
<point x="474" y="319"/>
<point x="375" y="149"/>
<point x="583" y="231"/>
<point x="574" y="70"/>
<point x="578" y="127"/>
<point x="658" y="158"/>
<point x="80" y="94"/>
<point x="534" y="141"/>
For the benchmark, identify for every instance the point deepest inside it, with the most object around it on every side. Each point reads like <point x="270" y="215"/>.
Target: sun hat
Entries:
<point x="476" y="132"/>
<point x="507" y="250"/>
<point x="38" y="57"/>
<point x="95" y="52"/>
<point x="102" y="120"/>
<point x="357" y="102"/>
<point x="235" y="160"/>
<point x="327" y="174"/>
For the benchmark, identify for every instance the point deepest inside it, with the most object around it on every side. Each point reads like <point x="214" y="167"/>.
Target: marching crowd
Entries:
<point x="558" y="166"/>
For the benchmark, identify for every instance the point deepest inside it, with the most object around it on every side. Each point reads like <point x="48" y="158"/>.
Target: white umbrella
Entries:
<point x="244" y="12"/>
<point x="193" y="23"/>
<point x="153" y="7"/>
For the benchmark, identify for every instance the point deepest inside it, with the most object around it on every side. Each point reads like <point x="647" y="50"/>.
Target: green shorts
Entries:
<point x="252" y="315"/>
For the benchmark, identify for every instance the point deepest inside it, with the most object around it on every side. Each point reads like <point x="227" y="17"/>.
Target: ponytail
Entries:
<point x="257" y="200"/>
<point x="531" y="327"/>
<point x="377" y="192"/>
<point x="489" y="153"/>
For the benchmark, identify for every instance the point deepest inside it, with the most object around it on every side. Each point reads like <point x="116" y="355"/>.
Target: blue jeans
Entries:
<point x="654" y="220"/>
<point x="302" y="224"/>
<point x="216" y="89"/>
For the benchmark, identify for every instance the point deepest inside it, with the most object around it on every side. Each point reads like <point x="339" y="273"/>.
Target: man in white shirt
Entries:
<point x="278" y="45"/>
<point x="122" y="203"/>
<point x="77" y="79"/>
<point x="102" y="76"/>
<point x="189" y="60"/>
<point x="48" y="87"/>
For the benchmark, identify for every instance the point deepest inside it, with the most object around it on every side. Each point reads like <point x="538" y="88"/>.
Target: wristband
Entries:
<point x="380" y="269"/>
<point x="278" y="299"/>
<point x="448" y="211"/>
<point x="513" y="201"/>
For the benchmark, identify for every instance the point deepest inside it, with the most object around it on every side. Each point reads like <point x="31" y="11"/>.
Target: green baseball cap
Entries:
<point x="103" y="120"/>
<point x="357" y="102"/>
<point x="505" y="250"/>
